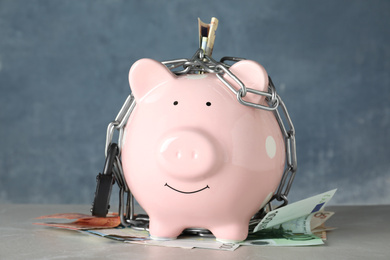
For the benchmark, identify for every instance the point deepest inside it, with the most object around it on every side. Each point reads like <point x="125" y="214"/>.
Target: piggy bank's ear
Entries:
<point x="145" y="75"/>
<point x="252" y="75"/>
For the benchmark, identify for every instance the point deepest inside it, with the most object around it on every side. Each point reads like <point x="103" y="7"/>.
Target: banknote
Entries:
<point x="264" y="238"/>
<point x="207" y="35"/>
<point x="319" y="218"/>
<point x="129" y="235"/>
<point x="82" y="222"/>
<point x="306" y="224"/>
<point x="280" y="237"/>
<point x="295" y="210"/>
<point x="120" y="233"/>
<point x="321" y="231"/>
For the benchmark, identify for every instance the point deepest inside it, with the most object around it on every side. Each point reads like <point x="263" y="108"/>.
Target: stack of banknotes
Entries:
<point x="298" y="224"/>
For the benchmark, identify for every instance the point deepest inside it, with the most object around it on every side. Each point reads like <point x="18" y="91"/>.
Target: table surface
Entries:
<point x="362" y="233"/>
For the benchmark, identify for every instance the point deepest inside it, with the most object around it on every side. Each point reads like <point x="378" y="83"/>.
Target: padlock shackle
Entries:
<point x="112" y="152"/>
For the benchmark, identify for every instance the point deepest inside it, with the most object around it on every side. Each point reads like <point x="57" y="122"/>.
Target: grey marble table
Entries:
<point x="363" y="232"/>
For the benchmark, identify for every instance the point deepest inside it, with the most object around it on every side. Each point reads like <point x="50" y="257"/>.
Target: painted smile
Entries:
<point x="187" y="192"/>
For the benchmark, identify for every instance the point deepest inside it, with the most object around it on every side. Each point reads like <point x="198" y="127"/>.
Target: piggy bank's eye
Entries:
<point x="175" y="103"/>
<point x="208" y="104"/>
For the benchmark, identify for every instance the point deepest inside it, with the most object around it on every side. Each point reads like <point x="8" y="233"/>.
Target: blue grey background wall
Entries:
<point x="63" y="78"/>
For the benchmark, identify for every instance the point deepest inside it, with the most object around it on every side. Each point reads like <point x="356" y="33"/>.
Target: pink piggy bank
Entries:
<point x="194" y="157"/>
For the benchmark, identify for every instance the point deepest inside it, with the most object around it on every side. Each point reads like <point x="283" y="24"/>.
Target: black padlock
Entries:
<point x="105" y="180"/>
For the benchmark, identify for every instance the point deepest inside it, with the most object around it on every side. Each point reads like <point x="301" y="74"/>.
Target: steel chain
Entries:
<point x="201" y="63"/>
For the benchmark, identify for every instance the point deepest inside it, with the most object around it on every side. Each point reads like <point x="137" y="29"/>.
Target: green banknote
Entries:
<point x="281" y="237"/>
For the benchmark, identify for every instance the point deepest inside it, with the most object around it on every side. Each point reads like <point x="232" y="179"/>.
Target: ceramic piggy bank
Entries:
<point x="194" y="157"/>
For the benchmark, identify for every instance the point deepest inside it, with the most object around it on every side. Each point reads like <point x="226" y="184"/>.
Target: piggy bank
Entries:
<point x="194" y="157"/>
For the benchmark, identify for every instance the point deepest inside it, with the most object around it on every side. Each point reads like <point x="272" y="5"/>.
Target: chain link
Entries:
<point x="119" y="123"/>
<point x="291" y="155"/>
<point x="201" y="63"/>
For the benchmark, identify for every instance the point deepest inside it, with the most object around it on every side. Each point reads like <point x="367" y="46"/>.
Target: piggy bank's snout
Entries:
<point x="188" y="154"/>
